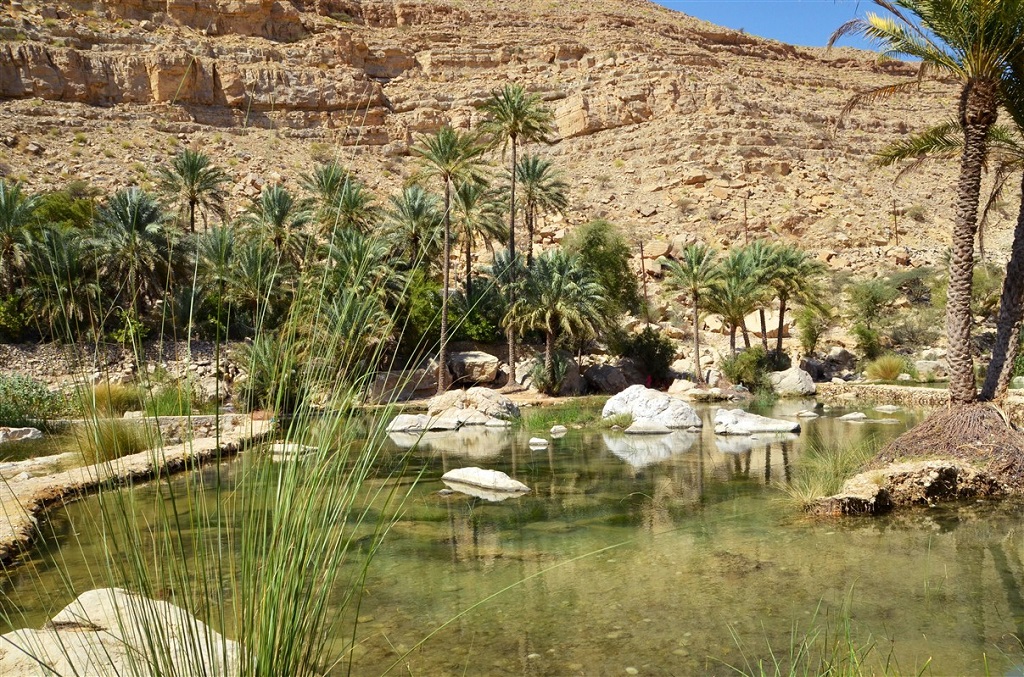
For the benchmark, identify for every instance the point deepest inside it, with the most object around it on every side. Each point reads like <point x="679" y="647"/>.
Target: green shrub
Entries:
<point x="105" y="440"/>
<point x="604" y="251"/>
<point x="920" y="327"/>
<point x="652" y="352"/>
<point x="871" y="301"/>
<point x="868" y="341"/>
<point x="889" y="367"/>
<point x="560" y="367"/>
<point x="478" y="318"/>
<point x="811" y="325"/>
<point x="13" y="322"/>
<point x="422" y="311"/>
<point x="173" y="400"/>
<point x="273" y="380"/>
<point x="25" y="401"/>
<point x="751" y="368"/>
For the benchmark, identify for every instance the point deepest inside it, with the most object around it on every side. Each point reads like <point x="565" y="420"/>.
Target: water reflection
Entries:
<point x="647" y="552"/>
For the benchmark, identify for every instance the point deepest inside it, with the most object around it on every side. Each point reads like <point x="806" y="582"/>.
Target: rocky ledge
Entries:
<point x="912" y="483"/>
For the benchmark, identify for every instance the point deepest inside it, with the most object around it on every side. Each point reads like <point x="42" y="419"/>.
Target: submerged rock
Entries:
<point x="489" y="402"/>
<point x="492" y="480"/>
<point x="647" y="428"/>
<point x="652" y="406"/>
<point x="855" y="416"/>
<point x="740" y="422"/>
<point x="538" y="442"/>
<point x="280" y="451"/>
<point x="112" y="632"/>
<point x="558" y="430"/>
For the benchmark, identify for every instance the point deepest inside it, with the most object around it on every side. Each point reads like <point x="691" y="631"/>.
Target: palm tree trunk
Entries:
<point x="446" y="266"/>
<point x="732" y="339"/>
<point x="549" y="358"/>
<point x="530" y="216"/>
<point x="979" y="115"/>
<point x="746" y="335"/>
<point x="1011" y="310"/>
<point x="782" y="323"/>
<point x="698" y="374"/>
<point x="764" y="329"/>
<point x="469" y="267"/>
<point x="191" y="216"/>
<point x="512" y="273"/>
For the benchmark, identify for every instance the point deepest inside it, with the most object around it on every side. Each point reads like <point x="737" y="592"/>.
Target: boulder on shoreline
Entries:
<point x="652" y="407"/>
<point x="794" y="382"/>
<point x="740" y="422"/>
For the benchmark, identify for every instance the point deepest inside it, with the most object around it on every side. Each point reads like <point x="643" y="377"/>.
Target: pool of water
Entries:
<point x="672" y="555"/>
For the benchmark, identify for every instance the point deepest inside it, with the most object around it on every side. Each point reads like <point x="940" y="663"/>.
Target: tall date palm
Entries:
<point x="973" y="42"/>
<point x="454" y="158"/>
<point x="195" y="183"/>
<point x="515" y="117"/>
<point x="697" y="273"/>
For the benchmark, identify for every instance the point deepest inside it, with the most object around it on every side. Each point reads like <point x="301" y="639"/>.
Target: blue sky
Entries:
<point x="798" y="22"/>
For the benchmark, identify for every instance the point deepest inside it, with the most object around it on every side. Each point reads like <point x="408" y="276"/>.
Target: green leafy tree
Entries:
<point x="973" y="43"/>
<point x="63" y="290"/>
<point x="604" y="251"/>
<point x="414" y="226"/>
<point x="697" y="272"/>
<point x="194" y="183"/>
<point x="454" y="158"/>
<point x="515" y="117"/>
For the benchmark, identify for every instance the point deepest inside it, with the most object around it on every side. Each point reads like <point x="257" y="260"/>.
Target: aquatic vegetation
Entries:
<point x="823" y="469"/>
<point x="889" y="367"/>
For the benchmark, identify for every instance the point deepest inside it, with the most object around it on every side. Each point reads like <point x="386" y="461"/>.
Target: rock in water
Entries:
<point x="739" y="422"/>
<point x="793" y="382"/>
<point x="559" y="431"/>
<point x="108" y="632"/>
<point x="493" y="480"/>
<point x="652" y="406"/>
<point x="855" y="416"/>
<point x="538" y="442"/>
<point x="473" y="366"/>
<point x="489" y="402"/>
<point x="647" y="428"/>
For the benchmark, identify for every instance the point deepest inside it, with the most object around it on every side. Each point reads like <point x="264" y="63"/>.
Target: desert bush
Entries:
<point x="750" y="368"/>
<point x="888" y="367"/>
<point x="604" y="251"/>
<point x="811" y="325"/>
<point x="25" y="401"/>
<point x="916" y="328"/>
<point x="649" y="349"/>
<point x="539" y="374"/>
<point x="478" y="318"/>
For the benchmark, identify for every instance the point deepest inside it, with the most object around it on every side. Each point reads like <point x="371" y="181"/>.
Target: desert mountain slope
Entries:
<point x="667" y="125"/>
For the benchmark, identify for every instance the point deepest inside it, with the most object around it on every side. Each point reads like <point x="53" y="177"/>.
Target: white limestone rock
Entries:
<point x="647" y="428"/>
<point x="740" y="422"/>
<point x="793" y="382"/>
<point x="107" y="632"/>
<point x="18" y="434"/>
<point x="652" y="406"/>
<point x="492" y="480"/>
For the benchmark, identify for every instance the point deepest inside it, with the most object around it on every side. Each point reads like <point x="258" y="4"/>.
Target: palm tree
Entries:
<point x="792" y="274"/>
<point x="278" y="220"/>
<point x="543" y="190"/>
<point x="342" y="201"/>
<point x="254" y="285"/>
<point x="515" y="117"/>
<point x="17" y="211"/>
<point x="63" y="289"/>
<point x="453" y="157"/>
<point x="413" y="226"/>
<point x="697" y="273"/>
<point x="194" y="183"/>
<point x="737" y="294"/>
<point x="557" y="296"/>
<point x="129" y="247"/>
<point x="762" y="257"/>
<point x="973" y="43"/>
<point x="477" y="213"/>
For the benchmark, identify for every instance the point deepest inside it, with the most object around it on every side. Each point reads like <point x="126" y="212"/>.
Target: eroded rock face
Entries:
<point x="650" y="406"/>
<point x="102" y="634"/>
<point x="739" y="422"/>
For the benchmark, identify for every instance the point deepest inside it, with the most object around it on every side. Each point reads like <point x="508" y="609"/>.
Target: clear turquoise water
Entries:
<point x="667" y="556"/>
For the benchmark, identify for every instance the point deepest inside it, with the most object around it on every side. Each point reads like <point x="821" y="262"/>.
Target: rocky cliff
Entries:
<point x="668" y="125"/>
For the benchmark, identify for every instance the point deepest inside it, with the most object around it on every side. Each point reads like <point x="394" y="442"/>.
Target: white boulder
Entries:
<point x="855" y="416"/>
<point x="490" y="402"/>
<point x="493" y="480"/>
<point x="740" y="422"/>
<point x="538" y="442"/>
<point x="793" y="382"/>
<point x="559" y="430"/>
<point x="110" y="632"/>
<point x="18" y="434"/>
<point x="652" y="406"/>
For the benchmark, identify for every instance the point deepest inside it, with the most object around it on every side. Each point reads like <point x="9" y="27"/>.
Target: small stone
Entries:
<point x="632" y="671"/>
<point x="538" y="442"/>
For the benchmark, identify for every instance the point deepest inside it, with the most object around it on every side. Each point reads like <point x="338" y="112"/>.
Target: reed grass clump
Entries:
<point x="102" y="440"/>
<point x="889" y="367"/>
<point x="583" y="411"/>
<point x="822" y="470"/>
<point x="114" y="399"/>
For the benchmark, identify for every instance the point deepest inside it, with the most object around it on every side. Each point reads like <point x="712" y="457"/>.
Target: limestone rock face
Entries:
<point x="473" y="366"/>
<point x="101" y="634"/>
<point x="652" y="406"/>
<point x="739" y="422"/>
<point x="794" y="382"/>
<point x="489" y="402"/>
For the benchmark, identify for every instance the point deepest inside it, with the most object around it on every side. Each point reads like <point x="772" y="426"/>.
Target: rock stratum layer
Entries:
<point x="665" y="124"/>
